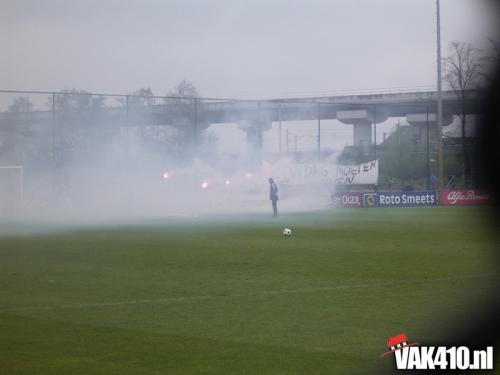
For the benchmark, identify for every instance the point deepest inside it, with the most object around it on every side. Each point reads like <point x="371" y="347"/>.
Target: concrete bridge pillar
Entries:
<point x="254" y="130"/>
<point x="362" y="120"/>
<point x="362" y="135"/>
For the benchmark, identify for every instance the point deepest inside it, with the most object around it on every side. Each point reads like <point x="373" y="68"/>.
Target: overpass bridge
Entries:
<point x="256" y="116"/>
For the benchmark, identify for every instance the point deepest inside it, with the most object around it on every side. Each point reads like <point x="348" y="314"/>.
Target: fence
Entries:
<point x="48" y="132"/>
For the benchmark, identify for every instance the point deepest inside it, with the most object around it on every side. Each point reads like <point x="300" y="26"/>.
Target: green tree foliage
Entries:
<point x="154" y="136"/>
<point x="141" y="97"/>
<point x="79" y="101"/>
<point x="21" y="104"/>
<point x="402" y="158"/>
<point x="184" y="90"/>
<point x="14" y="137"/>
<point x="352" y="155"/>
<point x="79" y="132"/>
<point x="180" y="106"/>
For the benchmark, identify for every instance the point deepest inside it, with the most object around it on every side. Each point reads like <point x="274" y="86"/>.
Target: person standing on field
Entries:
<point x="273" y="196"/>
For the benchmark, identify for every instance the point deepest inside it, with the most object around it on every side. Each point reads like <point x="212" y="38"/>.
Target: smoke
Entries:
<point x="126" y="178"/>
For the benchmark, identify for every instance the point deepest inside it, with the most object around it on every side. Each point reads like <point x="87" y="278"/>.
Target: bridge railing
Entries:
<point x="341" y="93"/>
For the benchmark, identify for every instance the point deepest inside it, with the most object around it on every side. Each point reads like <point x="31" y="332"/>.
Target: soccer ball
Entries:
<point x="287" y="232"/>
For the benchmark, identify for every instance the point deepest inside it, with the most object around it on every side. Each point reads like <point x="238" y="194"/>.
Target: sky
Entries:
<point x="232" y="48"/>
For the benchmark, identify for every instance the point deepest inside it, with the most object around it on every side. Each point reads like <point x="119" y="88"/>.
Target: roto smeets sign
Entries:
<point x="400" y="199"/>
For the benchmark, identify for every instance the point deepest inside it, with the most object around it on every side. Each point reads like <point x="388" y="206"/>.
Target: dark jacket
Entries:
<point x="273" y="192"/>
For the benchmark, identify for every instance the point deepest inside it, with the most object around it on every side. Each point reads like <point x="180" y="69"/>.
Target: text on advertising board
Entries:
<point x="400" y="199"/>
<point x="464" y="197"/>
<point x="346" y="199"/>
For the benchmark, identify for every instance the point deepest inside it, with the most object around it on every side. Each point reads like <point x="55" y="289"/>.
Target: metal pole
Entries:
<point x="22" y="184"/>
<point x="319" y="130"/>
<point x="196" y="123"/>
<point x="126" y="127"/>
<point x="54" y="151"/>
<point x="54" y="125"/>
<point x="398" y="130"/>
<point x="427" y="150"/>
<point x="259" y="132"/>
<point x="375" y="131"/>
<point x="279" y="125"/>
<point x="126" y="169"/>
<point x="287" y="139"/>
<point x="439" y="107"/>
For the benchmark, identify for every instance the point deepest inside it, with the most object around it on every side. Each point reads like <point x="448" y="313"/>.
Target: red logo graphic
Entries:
<point x="465" y="197"/>
<point x="397" y="342"/>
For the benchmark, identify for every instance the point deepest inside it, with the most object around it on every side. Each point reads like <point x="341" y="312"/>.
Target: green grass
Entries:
<point x="232" y="296"/>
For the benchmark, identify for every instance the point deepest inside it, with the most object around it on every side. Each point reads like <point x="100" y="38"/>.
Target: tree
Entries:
<point x="181" y="104"/>
<point x="402" y="156"/>
<point x="156" y="138"/>
<point x="184" y="90"/>
<point x="14" y="137"/>
<point x="79" y="131"/>
<point x="490" y="62"/>
<point x="142" y="96"/>
<point x="463" y="74"/>
<point x="179" y="107"/>
<point x="78" y="101"/>
<point x="20" y="104"/>
<point x="77" y="118"/>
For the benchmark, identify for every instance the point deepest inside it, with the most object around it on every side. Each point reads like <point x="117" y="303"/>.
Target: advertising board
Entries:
<point x="462" y="197"/>
<point x="347" y="199"/>
<point x="400" y="199"/>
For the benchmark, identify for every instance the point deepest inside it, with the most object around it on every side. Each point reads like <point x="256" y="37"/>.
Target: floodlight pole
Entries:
<point x="319" y="130"/>
<point x="427" y="149"/>
<point x="375" y="131"/>
<point x="196" y="135"/>
<point x="53" y="143"/>
<point x="126" y="127"/>
<point x="53" y="110"/>
<point x="279" y="125"/>
<point x="439" y="119"/>
<point x="22" y="184"/>
<point x="287" y="140"/>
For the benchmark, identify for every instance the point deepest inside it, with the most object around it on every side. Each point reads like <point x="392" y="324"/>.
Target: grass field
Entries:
<point x="232" y="296"/>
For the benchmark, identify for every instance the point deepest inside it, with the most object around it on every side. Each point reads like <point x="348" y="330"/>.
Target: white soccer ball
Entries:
<point x="287" y="232"/>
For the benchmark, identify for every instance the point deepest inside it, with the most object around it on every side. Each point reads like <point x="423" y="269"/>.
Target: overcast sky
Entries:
<point x="230" y="48"/>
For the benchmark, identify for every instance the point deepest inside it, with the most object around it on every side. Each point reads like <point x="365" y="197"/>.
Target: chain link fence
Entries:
<point x="48" y="133"/>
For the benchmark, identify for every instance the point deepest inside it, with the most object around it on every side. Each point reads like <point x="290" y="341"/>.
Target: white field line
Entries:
<point x="256" y="294"/>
